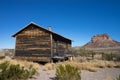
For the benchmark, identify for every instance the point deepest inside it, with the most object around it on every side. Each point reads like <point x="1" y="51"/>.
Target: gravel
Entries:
<point x="101" y="74"/>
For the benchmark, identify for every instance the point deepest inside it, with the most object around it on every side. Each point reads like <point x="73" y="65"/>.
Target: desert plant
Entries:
<point x="32" y="71"/>
<point x="108" y="56"/>
<point x="67" y="72"/>
<point x="22" y="63"/>
<point x="15" y="72"/>
<point x="118" y="78"/>
<point x="2" y="57"/>
<point x="116" y="56"/>
<point x="49" y="66"/>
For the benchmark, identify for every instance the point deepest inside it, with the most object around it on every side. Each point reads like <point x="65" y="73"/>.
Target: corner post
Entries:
<point x="51" y="42"/>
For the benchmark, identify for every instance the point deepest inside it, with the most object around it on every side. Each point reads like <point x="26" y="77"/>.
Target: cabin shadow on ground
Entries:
<point x="54" y="61"/>
<point x="53" y="78"/>
<point x="41" y="62"/>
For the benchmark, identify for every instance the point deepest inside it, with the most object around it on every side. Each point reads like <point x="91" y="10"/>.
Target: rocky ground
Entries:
<point x="101" y="74"/>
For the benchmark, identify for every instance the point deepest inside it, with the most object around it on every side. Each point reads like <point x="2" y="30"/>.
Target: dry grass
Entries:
<point x="22" y="63"/>
<point x="49" y="66"/>
<point x="108" y="78"/>
<point x="91" y="65"/>
<point x="79" y="59"/>
<point x="98" y="56"/>
<point x="102" y="64"/>
<point x="117" y="64"/>
<point x="82" y="66"/>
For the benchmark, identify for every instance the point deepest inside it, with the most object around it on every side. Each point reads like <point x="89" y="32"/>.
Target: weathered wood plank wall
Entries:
<point x="33" y="43"/>
<point x="61" y="47"/>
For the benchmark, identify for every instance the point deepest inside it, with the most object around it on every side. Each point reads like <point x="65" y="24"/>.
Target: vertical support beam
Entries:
<point x="15" y="47"/>
<point x="51" y="46"/>
<point x="51" y="41"/>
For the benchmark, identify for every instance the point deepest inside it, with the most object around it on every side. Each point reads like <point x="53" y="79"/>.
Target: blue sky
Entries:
<point x="78" y="20"/>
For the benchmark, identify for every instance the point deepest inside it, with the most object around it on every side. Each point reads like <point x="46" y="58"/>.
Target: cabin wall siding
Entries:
<point x="33" y="42"/>
<point x="61" y="47"/>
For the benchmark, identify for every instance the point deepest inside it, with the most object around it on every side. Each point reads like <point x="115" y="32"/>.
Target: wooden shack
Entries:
<point x="39" y="44"/>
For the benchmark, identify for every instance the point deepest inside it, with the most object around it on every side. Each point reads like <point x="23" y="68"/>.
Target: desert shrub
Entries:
<point x="22" y="63"/>
<point x="117" y="56"/>
<point x="49" y="66"/>
<point x="108" y="57"/>
<point x="67" y="72"/>
<point x="111" y="56"/>
<point x="83" y="52"/>
<point x="2" y="57"/>
<point x="117" y="65"/>
<point x="32" y="71"/>
<point x="15" y="72"/>
<point x="118" y="78"/>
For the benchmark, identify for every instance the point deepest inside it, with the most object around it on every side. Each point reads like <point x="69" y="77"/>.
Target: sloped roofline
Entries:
<point x="32" y="23"/>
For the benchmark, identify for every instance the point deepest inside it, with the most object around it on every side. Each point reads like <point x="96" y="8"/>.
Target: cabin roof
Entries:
<point x="36" y="25"/>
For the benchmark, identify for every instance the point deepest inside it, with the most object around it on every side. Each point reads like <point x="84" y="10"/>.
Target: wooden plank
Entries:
<point x="33" y="43"/>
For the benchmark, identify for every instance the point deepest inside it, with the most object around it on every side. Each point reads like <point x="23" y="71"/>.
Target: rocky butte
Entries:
<point x="103" y="43"/>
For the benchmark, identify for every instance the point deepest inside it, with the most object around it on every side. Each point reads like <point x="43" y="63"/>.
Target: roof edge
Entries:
<point x="39" y="27"/>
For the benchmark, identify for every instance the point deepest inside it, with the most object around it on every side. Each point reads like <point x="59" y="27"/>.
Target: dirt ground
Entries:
<point x="101" y="74"/>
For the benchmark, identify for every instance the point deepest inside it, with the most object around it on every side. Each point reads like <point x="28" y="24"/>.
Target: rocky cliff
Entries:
<point x="102" y="41"/>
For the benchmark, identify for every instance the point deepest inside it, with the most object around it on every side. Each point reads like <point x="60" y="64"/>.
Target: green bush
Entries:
<point x="2" y="57"/>
<point x="117" y="56"/>
<point x="67" y="72"/>
<point x="118" y="78"/>
<point x="15" y="72"/>
<point x="108" y="57"/>
<point x="111" y="56"/>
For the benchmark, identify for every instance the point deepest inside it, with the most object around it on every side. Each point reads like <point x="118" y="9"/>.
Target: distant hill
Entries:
<point x="102" y="43"/>
<point x="6" y="52"/>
